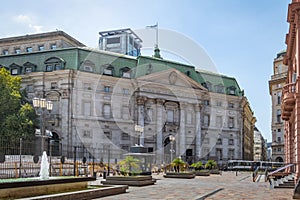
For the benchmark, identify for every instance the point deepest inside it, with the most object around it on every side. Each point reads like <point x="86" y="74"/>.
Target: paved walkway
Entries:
<point x="213" y="187"/>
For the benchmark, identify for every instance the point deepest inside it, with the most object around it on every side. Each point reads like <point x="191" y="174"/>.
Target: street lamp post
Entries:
<point x="172" y="139"/>
<point x="44" y="106"/>
<point x="140" y="130"/>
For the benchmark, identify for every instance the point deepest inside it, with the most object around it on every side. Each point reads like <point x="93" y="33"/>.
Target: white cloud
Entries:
<point x="27" y="20"/>
<point x="24" y="19"/>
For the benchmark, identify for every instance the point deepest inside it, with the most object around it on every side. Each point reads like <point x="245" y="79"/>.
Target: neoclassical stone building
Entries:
<point x="290" y="93"/>
<point x="276" y="84"/>
<point x="99" y="97"/>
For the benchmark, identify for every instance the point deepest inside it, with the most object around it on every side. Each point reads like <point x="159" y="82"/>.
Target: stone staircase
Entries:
<point x="286" y="182"/>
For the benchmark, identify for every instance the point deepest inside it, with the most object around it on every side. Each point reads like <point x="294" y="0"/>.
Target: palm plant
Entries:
<point x="178" y="163"/>
<point x="210" y="164"/>
<point x="198" y="165"/>
<point x="129" y="165"/>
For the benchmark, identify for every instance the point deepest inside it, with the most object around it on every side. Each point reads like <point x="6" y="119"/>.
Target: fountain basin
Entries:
<point x="36" y="187"/>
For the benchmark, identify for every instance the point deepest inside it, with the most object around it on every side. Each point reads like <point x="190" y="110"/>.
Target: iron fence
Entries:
<point x="20" y="158"/>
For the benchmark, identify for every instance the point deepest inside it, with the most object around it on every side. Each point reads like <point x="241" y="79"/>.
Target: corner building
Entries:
<point x="100" y="96"/>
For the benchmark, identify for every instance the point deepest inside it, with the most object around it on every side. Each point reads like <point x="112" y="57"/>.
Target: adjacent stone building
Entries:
<point x="260" y="147"/>
<point x="275" y="88"/>
<point x="290" y="94"/>
<point x="99" y="97"/>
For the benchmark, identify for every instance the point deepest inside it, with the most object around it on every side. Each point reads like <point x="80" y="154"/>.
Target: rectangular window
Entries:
<point x="230" y="142"/>
<point x="106" y="88"/>
<point x="87" y="134"/>
<point x="230" y="105"/>
<point x="14" y="71"/>
<point x="113" y="40"/>
<point x="125" y="91"/>
<point x="17" y="51"/>
<point x="170" y="116"/>
<point x="5" y="52"/>
<point x="29" y="49"/>
<point x="54" y="85"/>
<point x="230" y="122"/>
<point x="87" y="108"/>
<point x="206" y="102"/>
<point x="279" y="97"/>
<point x="278" y="116"/>
<point x="106" y="111"/>
<point x="125" y="136"/>
<point x="41" y="48"/>
<point x="231" y="154"/>
<point x="49" y="68"/>
<point x="219" y="141"/>
<point x="107" y="71"/>
<point x="126" y="74"/>
<point x="219" y="121"/>
<point x="53" y="46"/>
<point x="28" y="69"/>
<point x="219" y="154"/>
<point x="206" y="120"/>
<point x="278" y="139"/>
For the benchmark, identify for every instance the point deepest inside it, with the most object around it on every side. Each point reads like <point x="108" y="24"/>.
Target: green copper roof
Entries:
<point x="75" y="57"/>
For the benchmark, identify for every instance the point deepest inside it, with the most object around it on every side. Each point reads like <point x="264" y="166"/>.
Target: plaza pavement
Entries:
<point x="213" y="187"/>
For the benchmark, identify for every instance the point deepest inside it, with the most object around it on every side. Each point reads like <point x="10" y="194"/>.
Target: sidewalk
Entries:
<point x="213" y="187"/>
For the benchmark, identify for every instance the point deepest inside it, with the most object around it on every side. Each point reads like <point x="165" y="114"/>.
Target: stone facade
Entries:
<point x="275" y="88"/>
<point x="99" y="97"/>
<point x="290" y="94"/>
<point x="260" y="146"/>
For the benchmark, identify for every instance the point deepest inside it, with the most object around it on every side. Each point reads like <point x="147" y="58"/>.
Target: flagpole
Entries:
<point x="156" y="34"/>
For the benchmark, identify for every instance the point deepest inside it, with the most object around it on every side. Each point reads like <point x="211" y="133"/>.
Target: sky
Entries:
<point x="241" y="37"/>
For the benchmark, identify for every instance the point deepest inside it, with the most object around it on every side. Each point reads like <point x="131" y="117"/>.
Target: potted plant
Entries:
<point x="179" y="167"/>
<point x="129" y="166"/>
<point x="211" y="166"/>
<point x="199" y="171"/>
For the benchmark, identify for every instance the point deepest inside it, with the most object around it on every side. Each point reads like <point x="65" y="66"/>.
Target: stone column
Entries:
<point x="159" y="131"/>
<point x="297" y="136"/>
<point x="141" y="116"/>
<point x="181" y="149"/>
<point x="198" y="131"/>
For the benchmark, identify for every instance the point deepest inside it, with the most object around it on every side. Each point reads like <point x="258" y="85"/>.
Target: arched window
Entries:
<point x="29" y="67"/>
<point x="54" y="63"/>
<point x="88" y="66"/>
<point x="108" y="70"/>
<point x="125" y="72"/>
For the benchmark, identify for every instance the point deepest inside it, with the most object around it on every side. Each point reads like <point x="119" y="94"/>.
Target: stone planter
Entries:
<point x="202" y="173"/>
<point x="129" y="180"/>
<point x="186" y="175"/>
<point x="214" y="171"/>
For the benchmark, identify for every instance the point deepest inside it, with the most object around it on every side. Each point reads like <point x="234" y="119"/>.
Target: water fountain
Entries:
<point x="56" y="187"/>
<point x="44" y="169"/>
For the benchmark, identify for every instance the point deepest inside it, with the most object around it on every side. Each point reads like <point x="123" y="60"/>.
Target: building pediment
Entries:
<point x="173" y="78"/>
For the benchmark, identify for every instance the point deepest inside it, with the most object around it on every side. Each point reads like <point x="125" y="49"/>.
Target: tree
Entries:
<point x="17" y="116"/>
